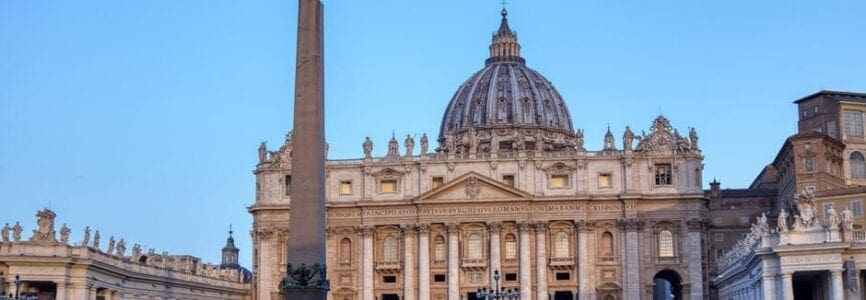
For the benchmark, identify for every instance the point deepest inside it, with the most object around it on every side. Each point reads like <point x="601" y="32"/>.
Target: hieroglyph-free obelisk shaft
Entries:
<point x="306" y="278"/>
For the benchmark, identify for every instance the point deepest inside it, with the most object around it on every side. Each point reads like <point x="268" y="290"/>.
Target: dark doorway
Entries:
<point x="390" y="297"/>
<point x="471" y="296"/>
<point x="667" y="286"/>
<point x="810" y="285"/>
<point x="560" y="295"/>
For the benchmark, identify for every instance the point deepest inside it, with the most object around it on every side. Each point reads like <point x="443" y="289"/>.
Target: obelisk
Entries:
<point x="306" y="249"/>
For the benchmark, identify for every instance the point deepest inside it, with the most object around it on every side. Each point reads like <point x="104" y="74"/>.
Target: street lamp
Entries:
<point x="497" y="292"/>
<point x="17" y="284"/>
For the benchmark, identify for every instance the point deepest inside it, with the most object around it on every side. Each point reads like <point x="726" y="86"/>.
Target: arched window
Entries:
<point x="346" y="250"/>
<point x="606" y="244"/>
<point x="474" y="246"/>
<point x="390" y="249"/>
<point x="510" y="246"/>
<point x="560" y="245"/>
<point x="439" y="248"/>
<point x="666" y="243"/>
<point x="858" y="165"/>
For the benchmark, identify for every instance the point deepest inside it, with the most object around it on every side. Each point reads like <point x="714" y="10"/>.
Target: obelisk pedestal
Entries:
<point x="306" y="274"/>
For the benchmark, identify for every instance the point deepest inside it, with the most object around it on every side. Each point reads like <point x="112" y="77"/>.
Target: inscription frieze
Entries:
<point x="356" y="213"/>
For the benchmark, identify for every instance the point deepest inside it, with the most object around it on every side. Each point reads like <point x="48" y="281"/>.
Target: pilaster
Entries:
<point x="541" y="260"/>
<point x="495" y="253"/>
<point x="423" y="262"/>
<point x="453" y="261"/>
<point x="586" y="289"/>
<point x="409" y="235"/>
<point x="525" y="264"/>
<point x="367" y="267"/>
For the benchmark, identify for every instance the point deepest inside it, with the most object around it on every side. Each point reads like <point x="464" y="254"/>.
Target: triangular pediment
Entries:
<point x="473" y="186"/>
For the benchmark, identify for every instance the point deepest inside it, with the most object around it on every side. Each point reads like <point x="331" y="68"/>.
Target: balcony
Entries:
<point x="561" y="263"/>
<point x="474" y="264"/>
<point x="389" y="266"/>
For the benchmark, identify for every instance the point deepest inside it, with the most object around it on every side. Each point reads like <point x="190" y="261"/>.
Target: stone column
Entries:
<point x="91" y="294"/>
<point x="367" y="267"/>
<point x="495" y="257"/>
<point x="769" y="286"/>
<point x="525" y="264"/>
<point x="787" y="286"/>
<point x="632" y="257"/>
<point x="267" y="263"/>
<point x="408" y="262"/>
<point x="453" y="261"/>
<point x="585" y="289"/>
<point x="541" y="260"/>
<point x="693" y="250"/>
<point x="423" y="262"/>
<point x="61" y="290"/>
<point x="837" y="291"/>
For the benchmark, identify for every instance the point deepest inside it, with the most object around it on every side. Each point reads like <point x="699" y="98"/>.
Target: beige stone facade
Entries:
<point x="49" y="267"/>
<point x="436" y="225"/>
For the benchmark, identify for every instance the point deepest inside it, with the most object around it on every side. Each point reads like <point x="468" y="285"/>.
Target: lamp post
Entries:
<point x="17" y="284"/>
<point x="497" y="292"/>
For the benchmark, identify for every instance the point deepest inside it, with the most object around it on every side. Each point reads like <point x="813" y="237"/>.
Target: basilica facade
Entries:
<point x="508" y="196"/>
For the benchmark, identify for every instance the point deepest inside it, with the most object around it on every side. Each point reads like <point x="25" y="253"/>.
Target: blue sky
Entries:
<point x="142" y="118"/>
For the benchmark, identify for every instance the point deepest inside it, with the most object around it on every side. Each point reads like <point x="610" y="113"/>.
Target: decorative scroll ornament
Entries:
<point x="472" y="187"/>
<point x="304" y="277"/>
<point x="282" y="157"/>
<point x="806" y="209"/>
<point x="663" y="137"/>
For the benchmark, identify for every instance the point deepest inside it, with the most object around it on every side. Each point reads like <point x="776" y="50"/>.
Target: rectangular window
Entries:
<point x="345" y="187"/>
<point x="666" y="243"/>
<point x="508" y="180"/>
<point x="388" y="186"/>
<point x="853" y="123"/>
<point x="439" y="251"/>
<point x="663" y="174"/>
<point x="510" y="250"/>
<point x="857" y="208"/>
<point x="720" y="237"/>
<point x="809" y="164"/>
<point x="831" y="129"/>
<point x="389" y="279"/>
<point x="562" y="276"/>
<point x="558" y="181"/>
<point x="604" y="180"/>
<point x="810" y="189"/>
<point x="288" y="185"/>
<point x="510" y="276"/>
<point x="437" y="182"/>
<point x="439" y="278"/>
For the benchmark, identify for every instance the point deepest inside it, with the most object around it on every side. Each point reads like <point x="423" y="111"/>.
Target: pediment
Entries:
<point x="473" y="186"/>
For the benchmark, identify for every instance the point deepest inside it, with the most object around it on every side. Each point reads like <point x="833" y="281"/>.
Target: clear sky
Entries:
<point x="142" y="118"/>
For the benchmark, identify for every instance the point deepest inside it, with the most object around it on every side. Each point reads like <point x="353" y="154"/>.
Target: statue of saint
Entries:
<point x="368" y="147"/>
<point x="579" y="140"/>
<point x="627" y="138"/>
<point x="539" y="141"/>
<point x="5" y="232"/>
<point x="424" y="144"/>
<point x="409" y="143"/>
<point x="96" y="240"/>
<point x="693" y="138"/>
<point x="263" y="152"/>
<point x="806" y="208"/>
<point x="64" y="234"/>
<point x="16" y="232"/>
<point x="847" y="219"/>
<point x="450" y="144"/>
<point x="136" y="252"/>
<point x="110" y="245"/>
<point x="86" y="236"/>
<point x="121" y="247"/>
<point x="832" y="218"/>
<point x="782" y="221"/>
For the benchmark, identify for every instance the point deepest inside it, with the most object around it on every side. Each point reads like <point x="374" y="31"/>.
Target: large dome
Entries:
<point x="507" y="99"/>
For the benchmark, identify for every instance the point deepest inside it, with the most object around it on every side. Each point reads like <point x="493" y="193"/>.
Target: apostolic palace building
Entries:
<point x="506" y="187"/>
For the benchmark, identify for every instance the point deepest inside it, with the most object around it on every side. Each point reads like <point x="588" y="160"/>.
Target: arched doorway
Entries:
<point x="667" y="285"/>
